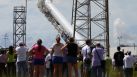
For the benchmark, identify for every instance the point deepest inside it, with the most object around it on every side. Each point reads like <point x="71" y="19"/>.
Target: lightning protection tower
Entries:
<point x="91" y="19"/>
<point x="19" y="25"/>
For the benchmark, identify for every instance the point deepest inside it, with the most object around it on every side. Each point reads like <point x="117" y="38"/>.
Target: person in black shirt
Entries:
<point x="72" y="51"/>
<point x="118" y="57"/>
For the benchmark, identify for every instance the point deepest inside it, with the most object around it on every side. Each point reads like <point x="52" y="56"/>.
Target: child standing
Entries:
<point x="48" y="65"/>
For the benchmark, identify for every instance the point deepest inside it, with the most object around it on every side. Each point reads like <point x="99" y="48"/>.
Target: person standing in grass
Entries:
<point x="38" y="51"/>
<point x="57" y="57"/>
<point x="129" y="61"/>
<point x="3" y="61"/>
<point x="30" y="66"/>
<point x="97" y="56"/>
<point x="72" y="51"/>
<point x="11" y="62"/>
<point x="21" y="62"/>
<point x="118" y="57"/>
<point x="48" y="65"/>
<point x="86" y="52"/>
<point x="108" y="66"/>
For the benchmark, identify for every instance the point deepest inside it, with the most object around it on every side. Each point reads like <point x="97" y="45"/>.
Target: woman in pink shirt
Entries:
<point x="38" y="51"/>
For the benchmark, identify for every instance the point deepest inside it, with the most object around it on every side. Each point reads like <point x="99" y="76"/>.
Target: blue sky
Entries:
<point x="123" y="17"/>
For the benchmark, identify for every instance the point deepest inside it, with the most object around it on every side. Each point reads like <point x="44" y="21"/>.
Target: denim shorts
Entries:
<point x="71" y="59"/>
<point x="38" y="61"/>
<point x="57" y="60"/>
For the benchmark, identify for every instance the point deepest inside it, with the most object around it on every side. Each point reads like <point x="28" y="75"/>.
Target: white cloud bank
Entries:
<point x="121" y="31"/>
<point x="119" y="27"/>
<point x="4" y="2"/>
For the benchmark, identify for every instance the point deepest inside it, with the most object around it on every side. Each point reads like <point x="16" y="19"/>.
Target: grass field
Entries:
<point x="112" y="71"/>
<point x="109" y="69"/>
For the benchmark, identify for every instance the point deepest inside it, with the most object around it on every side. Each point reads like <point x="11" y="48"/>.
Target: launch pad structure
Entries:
<point x="19" y="25"/>
<point x="91" y="20"/>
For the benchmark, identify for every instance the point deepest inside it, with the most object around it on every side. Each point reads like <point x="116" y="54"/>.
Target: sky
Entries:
<point x="123" y="17"/>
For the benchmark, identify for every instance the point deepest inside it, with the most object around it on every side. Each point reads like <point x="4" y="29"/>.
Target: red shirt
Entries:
<point x="38" y="52"/>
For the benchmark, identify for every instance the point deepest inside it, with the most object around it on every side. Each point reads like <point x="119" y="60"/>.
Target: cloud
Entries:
<point x="4" y="2"/>
<point x="36" y="22"/>
<point x="119" y="27"/>
<point x="121" y="31"/>
<point x="129" y="37"/>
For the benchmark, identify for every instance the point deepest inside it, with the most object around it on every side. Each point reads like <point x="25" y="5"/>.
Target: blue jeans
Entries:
<point x="22" y="69"/>
<point x="96" y="71"/>
<point x="128" y="72"/>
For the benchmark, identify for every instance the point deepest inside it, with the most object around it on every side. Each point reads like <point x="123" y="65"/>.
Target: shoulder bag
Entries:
<point x="87" y="60"/>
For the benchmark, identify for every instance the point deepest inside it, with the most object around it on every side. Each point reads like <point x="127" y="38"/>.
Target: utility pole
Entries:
<point x="5" y="39"/>
<point x="119" y="39"/>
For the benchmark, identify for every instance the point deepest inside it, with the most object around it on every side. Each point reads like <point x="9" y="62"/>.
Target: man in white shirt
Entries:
<point x="21" y="52"/>
<point x="86" y="52"/>
<point x="129" y="61"/>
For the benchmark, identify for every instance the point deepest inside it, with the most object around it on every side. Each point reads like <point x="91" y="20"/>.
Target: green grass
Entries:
<point x="112" y="72"/>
